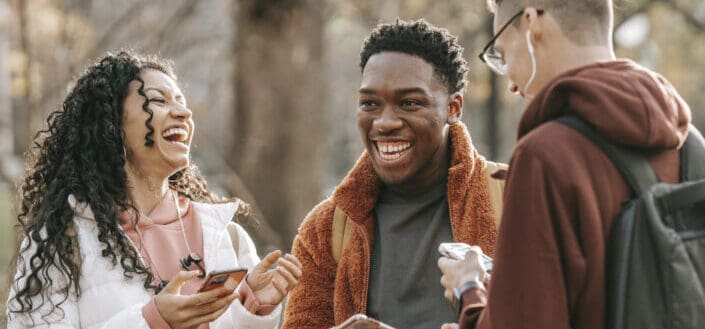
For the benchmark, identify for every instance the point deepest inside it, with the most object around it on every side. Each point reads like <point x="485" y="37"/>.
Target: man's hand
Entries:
<point x="270" y="286"/>
<point x="457" y="272"/>
<point x="181" y="311"/>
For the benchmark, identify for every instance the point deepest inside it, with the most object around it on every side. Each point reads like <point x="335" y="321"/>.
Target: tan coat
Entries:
<point x="328" y="294"/>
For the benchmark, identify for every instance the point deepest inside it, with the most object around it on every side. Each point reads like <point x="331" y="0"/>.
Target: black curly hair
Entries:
<point x="420" y="38"/>
<point x="81" y="153"/>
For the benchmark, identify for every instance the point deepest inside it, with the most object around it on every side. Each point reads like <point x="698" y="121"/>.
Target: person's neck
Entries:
<point x="574" y="56"/>
<point x="423" y="183"/>
<point x="417" y="189"/>
<point x="145" y="190"/>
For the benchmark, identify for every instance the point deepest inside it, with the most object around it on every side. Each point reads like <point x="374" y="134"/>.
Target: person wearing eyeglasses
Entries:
<point x="563" y="194"/>
<point x="119" y="227"/>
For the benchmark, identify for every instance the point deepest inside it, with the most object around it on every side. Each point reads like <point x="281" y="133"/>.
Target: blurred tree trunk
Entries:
<point x="5" y="100"/>
<point x="494" y="106"/>
<point x="22" y="104"/>
<point x="279" y="99"/>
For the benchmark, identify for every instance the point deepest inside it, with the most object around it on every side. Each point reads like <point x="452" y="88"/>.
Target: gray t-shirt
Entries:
<point x="405" y="290"/>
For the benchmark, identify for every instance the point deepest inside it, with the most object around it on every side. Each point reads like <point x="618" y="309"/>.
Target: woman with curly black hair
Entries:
<point x="119" y="227"/>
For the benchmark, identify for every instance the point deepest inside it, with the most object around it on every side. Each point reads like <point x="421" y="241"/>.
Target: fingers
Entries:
<point x="450" y="326"/>
<point x="292" y="264"/>
<point x="174" y="286"/>
<point x="182" y="310"/>
<point x="473" y="252"/>
<point x="280" y="285"/>
<point x="208" y="296"/>
<point x="268" y="261"/>
<point x="261" y="275"/>
<point x="448" y="294"/>
<point x="294" y="260"/>
<point x="287" y="278"/>
<point x="289" y="272"/>
<point x="210" y="312"/>
<point x="215" y="315"/>
<point x="289" y="269"/>
<point x="474" y="258"/>
<point x="230" y="284"/>
<point x="213" y="306"/>
<point x="446" y="282"/>
<point x="444" y="263"/>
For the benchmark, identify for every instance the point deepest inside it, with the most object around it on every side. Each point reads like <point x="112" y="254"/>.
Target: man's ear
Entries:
<point x="455" y="108"/>
<point x="535" y="23"/>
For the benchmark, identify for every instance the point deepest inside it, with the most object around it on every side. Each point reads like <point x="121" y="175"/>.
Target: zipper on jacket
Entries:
<point x="367" y="276"/>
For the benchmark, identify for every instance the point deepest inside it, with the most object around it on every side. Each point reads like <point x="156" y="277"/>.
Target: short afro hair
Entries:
<point x="419" y="38"/>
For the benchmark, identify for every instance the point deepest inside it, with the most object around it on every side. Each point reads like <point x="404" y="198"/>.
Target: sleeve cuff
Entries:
<point x="474" y="298"/>
<point x="154" y="319"/>
<point x="250" y="302"/>
<point x="247" y="320"/>
<point x="474" y="302"/>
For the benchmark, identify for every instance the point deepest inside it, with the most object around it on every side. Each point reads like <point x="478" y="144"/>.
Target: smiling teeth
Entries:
<point x="182" y="133"/>
<point x="392" y="151"/>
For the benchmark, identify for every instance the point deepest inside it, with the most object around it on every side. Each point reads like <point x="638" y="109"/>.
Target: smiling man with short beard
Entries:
<point x="420" y="182"/>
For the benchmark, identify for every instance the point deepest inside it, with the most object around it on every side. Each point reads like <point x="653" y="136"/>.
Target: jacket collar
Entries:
<point x="358" y="192"/>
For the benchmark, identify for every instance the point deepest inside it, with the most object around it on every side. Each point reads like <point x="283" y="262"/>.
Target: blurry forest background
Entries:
<point x="272" y="84"/>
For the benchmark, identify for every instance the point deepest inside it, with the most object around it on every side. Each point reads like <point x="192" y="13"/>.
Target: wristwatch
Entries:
<point x="459" y="291"/>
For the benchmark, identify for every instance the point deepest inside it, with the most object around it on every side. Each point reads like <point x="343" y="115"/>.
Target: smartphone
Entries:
<point x="457" y="250"/>
<point x="216" y="279"/>
<point x="361" y="321"/>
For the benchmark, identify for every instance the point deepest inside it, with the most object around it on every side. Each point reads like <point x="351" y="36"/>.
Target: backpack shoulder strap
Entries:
<point x="495" y="188"/>
<point x="633" y="165"/>
<point x="342" y="229"/>
<point x="693" y="156"/>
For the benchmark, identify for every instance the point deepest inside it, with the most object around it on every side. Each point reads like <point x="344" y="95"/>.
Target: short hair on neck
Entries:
<point x="585" y="22"/>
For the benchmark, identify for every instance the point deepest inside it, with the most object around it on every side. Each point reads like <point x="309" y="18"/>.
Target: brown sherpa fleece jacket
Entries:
<point x="328" y="294"/>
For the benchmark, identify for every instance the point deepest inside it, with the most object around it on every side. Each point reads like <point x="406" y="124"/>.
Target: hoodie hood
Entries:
<point x="627" y="103"/>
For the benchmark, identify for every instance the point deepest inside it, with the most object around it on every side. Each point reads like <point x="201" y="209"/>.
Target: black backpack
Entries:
<point x="656" y="250"/>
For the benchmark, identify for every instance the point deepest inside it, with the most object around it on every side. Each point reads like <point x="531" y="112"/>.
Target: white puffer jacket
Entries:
<point x="110" y="300"/>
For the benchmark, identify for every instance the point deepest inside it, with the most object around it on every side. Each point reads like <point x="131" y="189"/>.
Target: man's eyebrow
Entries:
<point x="402" y="91"/>
<point x="411" y="91"/>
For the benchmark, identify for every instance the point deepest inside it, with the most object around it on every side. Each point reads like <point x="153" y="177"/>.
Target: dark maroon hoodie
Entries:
<point x="563" y="194"/>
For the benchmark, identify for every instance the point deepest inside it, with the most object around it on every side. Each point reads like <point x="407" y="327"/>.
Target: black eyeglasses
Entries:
<point x="491" y="56"/>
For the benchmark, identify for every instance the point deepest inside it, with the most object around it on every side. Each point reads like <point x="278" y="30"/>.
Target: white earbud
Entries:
<point x="528" y="42"/>
<point x="533" y="62"/>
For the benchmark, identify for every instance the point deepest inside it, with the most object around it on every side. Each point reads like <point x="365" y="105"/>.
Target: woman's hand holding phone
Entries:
<point x="217" y="279"/>
<point x="270" y="286"/>
<point x="189" y="311"/>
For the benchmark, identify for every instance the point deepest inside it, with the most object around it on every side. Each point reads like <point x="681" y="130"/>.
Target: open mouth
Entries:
<point x="392" y="151"/>
<point x="175" y="135"/>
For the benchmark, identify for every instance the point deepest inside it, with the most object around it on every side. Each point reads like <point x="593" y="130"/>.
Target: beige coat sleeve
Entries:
<point x="495" y="186"/>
